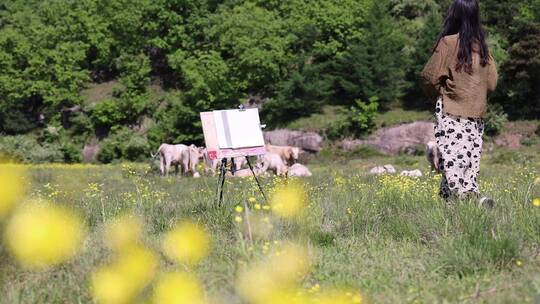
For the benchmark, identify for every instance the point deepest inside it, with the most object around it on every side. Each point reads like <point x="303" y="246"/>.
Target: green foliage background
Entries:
<point x="171" y="59"/>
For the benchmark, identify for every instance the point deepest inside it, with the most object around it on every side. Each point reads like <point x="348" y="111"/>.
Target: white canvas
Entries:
<point x="238" y="129"/>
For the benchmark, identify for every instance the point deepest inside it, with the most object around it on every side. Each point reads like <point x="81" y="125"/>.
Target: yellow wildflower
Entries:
<point x="11" y="187"/>
<point x="112" y="286"/>
<point x="41" y="235"/>
<point x="339" y="297"/>
<point x="186" y="243"/>
<point x="124" y="280"/>
<point x="178" y="288"/>
<point x="239" y="209"/>
<point x="123" y="232"/>
<point x="274" y="278"/>
<point x="258" y="206"/>
<point x="139" y="264"/>
<point x="536" y="202"/>
<point x="288" y="200"/>
<point x="238" y="219"/>
<point x="252" y="200"/>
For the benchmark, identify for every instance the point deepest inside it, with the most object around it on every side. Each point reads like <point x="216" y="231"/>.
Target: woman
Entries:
<point x="459" y="75"/>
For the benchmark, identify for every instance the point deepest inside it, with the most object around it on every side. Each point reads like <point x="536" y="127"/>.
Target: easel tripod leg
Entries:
<point x="256" y="179"/>
<point x="221" y="181"/>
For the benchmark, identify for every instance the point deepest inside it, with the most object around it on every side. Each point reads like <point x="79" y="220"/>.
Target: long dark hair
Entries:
<point x="463" y="17"/>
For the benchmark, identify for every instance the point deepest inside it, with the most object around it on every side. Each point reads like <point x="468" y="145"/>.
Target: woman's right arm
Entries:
<point x="492" y="75"/>
<point x="435" y="71"/>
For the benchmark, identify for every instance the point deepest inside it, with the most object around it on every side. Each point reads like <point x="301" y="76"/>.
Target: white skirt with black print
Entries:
<point x="460" y="142"/>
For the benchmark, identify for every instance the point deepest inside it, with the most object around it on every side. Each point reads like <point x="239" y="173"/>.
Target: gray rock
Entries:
<point x="307" y="141"/>
<point x="90" y="152"/>
<point x="405" y="138"/>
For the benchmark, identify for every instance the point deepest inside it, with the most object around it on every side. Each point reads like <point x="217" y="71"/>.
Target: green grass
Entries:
<point x="398" y="116"/>
<point x="389" y="237"/>
<point x="318" y="122"/>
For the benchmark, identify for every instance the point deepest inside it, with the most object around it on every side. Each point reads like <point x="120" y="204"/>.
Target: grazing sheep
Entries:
<point x="433" y="155"/>
<point x="288" y="154"/>
<point x="273" y="162"/>
<point x="386" y="169"/>
<point x="413" y="173"/>
<point x="299" y="170"/>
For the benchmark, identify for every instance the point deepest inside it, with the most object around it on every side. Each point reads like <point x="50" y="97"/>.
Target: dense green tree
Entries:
<point x="519" y="89"/>
<point x="171" y="59"/>
<point x="374" y="66"/>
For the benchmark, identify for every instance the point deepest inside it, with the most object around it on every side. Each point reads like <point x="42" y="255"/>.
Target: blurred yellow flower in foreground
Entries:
<point x="536" y="202"/>
<point x="40" y="235"/>
<point x="124" y="280"/>
<point x="275" y="278"/>
<point x="292" y="296"/>
<point x="338" y="297"/>
<point x="178" y="288"/>
<point x="111" y="286"/>
<point x="11" y="187"/>
<point x="123" y="232"/>
<point x="186" y="243"/>
<point x="288" y="200"/>
<point x="139" y="264"/>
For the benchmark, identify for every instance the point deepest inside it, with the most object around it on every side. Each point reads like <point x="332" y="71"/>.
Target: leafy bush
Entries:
<point x="26" y="149"/>
<point x="107" y="113"/>
<point x="124" y="144"/>
<point x="17" y="121"/>
<point x="495" y="120"/>
<point x="529" y="141"/>
<point x="359" y="120"/>
<point x="72" y="153"/>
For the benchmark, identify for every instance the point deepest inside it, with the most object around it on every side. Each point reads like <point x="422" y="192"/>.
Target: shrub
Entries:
<point x="495" y="120"/>
<point x="123" y="144"/>
<point x="17" y="121"/>
<point x="107" y="113"/>
<point x="72" y="153"/>
<point x="358" y="121"/>
<point x="27" y="149"/>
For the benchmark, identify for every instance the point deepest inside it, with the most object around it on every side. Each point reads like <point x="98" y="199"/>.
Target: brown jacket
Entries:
<point x="463" y="94"/>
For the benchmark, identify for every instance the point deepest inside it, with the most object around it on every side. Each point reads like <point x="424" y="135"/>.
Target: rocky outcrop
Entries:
<point x="90" y="151"/>
<point x="406" y="138"/>
<point x="307" y="141"/>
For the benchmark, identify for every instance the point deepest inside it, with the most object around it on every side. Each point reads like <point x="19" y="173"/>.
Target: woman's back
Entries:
<point x="464" y="93"/>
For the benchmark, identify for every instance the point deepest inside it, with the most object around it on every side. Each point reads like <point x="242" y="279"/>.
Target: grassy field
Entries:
<point x="390" y="238"/>
<point x="319" y="122"/>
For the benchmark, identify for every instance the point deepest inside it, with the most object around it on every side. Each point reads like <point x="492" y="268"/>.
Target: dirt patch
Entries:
<point x="98" y="92"/>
